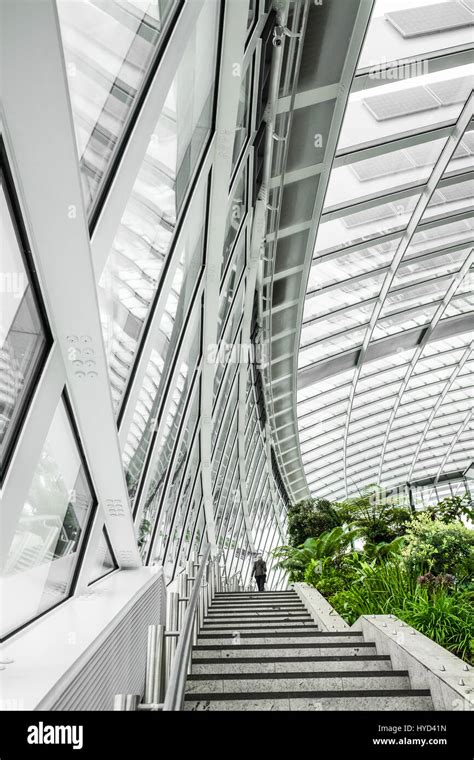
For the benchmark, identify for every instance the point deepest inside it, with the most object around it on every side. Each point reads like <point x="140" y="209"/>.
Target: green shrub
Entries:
<point x="452" y="508"/>
<point x="446" y="617"/>
<point x="438" y="547"/>
<point x="442" y="612"/>
<point x="310" y="518"/>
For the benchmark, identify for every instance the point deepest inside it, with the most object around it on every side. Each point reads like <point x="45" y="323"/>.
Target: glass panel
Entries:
<point x="401" y="29"/>
<point x="238" y="209"/>
<point x="450" y="198"/>
<point x="414" y="104"/>
<point x="229" y="353"/>
<point x="104" y="561"/>
<point x="108" y="46"/>
<point x="364" y="225"/>
<point x="179" y="493"/>
<point x="189" y="257"/>
<point x="229" y="288"/>
<point x="242" y="128"/>
<point x="39" y="568"/>
<point x="23" y="337"/>
<point x="143" y="241"/>
<point x="164" y="447"/>
<point x="193" y="526"/>
<point x="382" y="174"/>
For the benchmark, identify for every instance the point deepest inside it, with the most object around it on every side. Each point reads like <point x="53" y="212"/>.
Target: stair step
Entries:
<point x="250" y="609"/>
<point x="237" y="683"/>
<point x="258" y="625"/>
<point x="284" y="649"/>
<point x="259" y="615"/>
<point x="211" y="665"/>
<point x="390" y="700"/>
<point x="255" y="594"/>
<point x="274" y="637"/>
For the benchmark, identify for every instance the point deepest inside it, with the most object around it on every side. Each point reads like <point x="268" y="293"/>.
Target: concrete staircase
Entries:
<point x="263" y="651"/>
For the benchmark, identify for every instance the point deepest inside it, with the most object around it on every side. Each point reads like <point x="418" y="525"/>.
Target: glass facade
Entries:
<point x="50" y="529"/>
<point x="24" y="334"/>
<point x="109" y="48"/>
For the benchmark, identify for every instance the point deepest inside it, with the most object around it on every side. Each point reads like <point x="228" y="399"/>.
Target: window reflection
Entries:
<point x="39" y="567"/>
<point x="242" y="128"/>
<point x="162" y="521"/>
<point x="179" y="395"/>
<point x="147" y="230"/>
<point x="190" y="256"/>
<point x="108" y="46"/>
<point x="24" y="338"/>
<point x="235" y="217"/>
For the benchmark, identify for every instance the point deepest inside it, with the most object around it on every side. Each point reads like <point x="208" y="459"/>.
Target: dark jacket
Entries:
<point x="259" y="568"/>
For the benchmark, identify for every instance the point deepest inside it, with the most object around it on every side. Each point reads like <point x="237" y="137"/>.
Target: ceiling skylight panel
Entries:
<point x="413" y="29"/>
<point x="367" y="224"/>
<point x="396" y="108"/>
<point x="383" y="173"/>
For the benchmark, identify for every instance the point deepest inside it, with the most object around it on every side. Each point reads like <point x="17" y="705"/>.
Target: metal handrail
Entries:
<point x="174" y="698"/>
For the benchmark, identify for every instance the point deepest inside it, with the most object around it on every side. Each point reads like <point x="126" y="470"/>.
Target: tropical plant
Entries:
<point x="310" y="518"/>
<point x="444" y="613"/>
<point x="383" y="551"/>
<point x="438" y="547"/>
<point x="328" y="545"/>
<point x="452" y="508"/>
<point x="381" y="518"/>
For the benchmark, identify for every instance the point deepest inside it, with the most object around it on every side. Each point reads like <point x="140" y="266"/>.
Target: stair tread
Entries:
<point x="296" y="634"/>
<point x="228" y="695"/>
<point x="299" y="674"/>
<point x="287" y="645"/>
<point x="296" y="658"/>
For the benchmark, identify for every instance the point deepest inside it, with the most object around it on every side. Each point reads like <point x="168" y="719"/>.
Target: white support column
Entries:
<point x="231" y="72"/>
<point x="38" y="119"/>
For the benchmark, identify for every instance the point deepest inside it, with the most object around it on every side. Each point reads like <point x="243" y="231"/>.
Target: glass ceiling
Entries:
<point x="387" y="353"/>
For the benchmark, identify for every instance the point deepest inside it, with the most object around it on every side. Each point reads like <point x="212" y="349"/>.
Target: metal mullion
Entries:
<point x="216" y="403"/>
<point x="429" y="255"/>
<point x="191" y="450"/>
<point x="235" y="533"/>
<point x="448" y="298"/>
<point x="225" y="468"/>
<point x="227" y="511"/>
<point x="225" y="436"/>
<point x="185" y="521"/>
<point x="166" y="400"/>
<point x="263" y="509"/>
<point x="227" y="484"/>
<point x="157" y="308"/>
<point x="193" y="393"/>
<point x="233" y="47"/>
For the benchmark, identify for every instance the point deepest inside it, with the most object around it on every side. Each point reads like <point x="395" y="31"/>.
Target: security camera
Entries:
<point x="278" y="34"/>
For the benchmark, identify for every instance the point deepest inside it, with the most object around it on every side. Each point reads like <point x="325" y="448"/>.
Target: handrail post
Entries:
<point x="183" y="595"/>
<point x="172" y="624"/>
<point x="155" y="665"/>
<point x="127" y="702"/>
